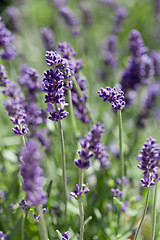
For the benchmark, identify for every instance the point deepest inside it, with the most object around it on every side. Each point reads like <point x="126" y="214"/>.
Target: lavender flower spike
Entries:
<point x="3" y="236"/>
<point x="32" y="174"/>
<point x="113" y="96"/>
<point x="149" y="155"/>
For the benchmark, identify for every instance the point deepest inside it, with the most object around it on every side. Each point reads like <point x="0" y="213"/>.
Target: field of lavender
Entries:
<point x="79" y="119"/>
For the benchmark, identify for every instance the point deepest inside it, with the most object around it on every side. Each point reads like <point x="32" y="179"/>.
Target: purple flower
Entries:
<point x="79" y="192"/>
<point x="149" y="155"/>
<point x="124" y="206"/>
<point x="117" y="192"/>
<point x="2" y="195"/>
<point x="23" y="205"/>
<point x="3" y="236"/>
<point x="120" y="15"/>
<point x="32" y="174"/>
<point x="48" y="38"/>
<point x="30" y="78"/>
<point x="110" y="3"/>
<point x="92" y="146"/>
<point x="66" y="236"/>
<point x="3" y="76"/>
<point x="146" y="67"/>
<point x="136" y="44"/>
<point x="114" y="149"/>
<point x="109" y="206"/>
<point x="110" y="51"/>
<point x="42" y="136"/>
<point x="87" y="14"/>
<point x="155" y="56"/>
<point x="102" y="155"/>
<point x="69" y="16"/>
<point x="14" y="18"/>
<point x="113" y="96"/>
<point x="59" y="3"/>
<point x="66" y="50"/>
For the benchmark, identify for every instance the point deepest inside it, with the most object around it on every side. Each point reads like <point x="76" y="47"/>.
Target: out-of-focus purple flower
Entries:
<point x="71" y="20"/>
<point x="48" y="38"/>
<point x="15" y="105"/>
<point x="66" y="50"/>
<point x="59" y="3"/>
<point x="42" y="136"/>
<point x="3" y="76"/>
<point x="136" y="44"/>
<point x="155" y="56"/>
<point x="3" y="236"/>
<point x="125" y="180"/>
<point x="91" y="146"/>
<point x="2" y="195"/>
<point x="7" y="51"/>
<point x="79" y="192"/>
<point x="109" y="3"/>
<point x="117" y="192"/>
<point x="14" y="18"/>
<point x="148" y="103"/>
<point x="66" y="236"/>
<point x="109" y="206"/>
<point x="30" y="78"/>
<point x="32" y="174"/>
<point x="23" y="205"/>
<point x="120" y="15"/>
<point x="102" y="155"/>
<point x="148" y="157"/>
<point x="124" y="206"/>
<point x="138" y="198"/>
<point x="109" y="51"/>
<point x="69" y="16"/>
<point x="118" y="181"/>
<point x="114" y="96"/>
<point x="146" y="67"/>
<point x="34" y="115"/>
<point x="11" y="206"/>
<point x="114" y="149"/>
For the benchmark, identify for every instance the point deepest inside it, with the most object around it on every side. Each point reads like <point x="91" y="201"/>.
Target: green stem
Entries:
<point x="143" y="216"/>
<point x="63" y="166"/>
<point x="79" y="91"/>
<point x="42" y="225"/>
<point x="154" y="211"/>
<point x="80" y="205"/>
<point x="72" y="115"/>
<point x="23" y="141"/>
<point x="121" y="147"/>
<point x="22" y="226"/>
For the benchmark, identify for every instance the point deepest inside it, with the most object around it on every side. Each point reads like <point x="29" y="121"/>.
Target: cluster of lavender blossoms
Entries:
<point x="55" y="82"/>
<point x="116" y="97"/>
<point x="75" y="66"/>
<point x="140" y="66"/>
<point x="66" y="236"/>
<point x="79" y="192"/>
<point x="92" y="146"/>
<point x="149" y="162"/>
<point x="7" y="50"/>
<point x="32" y="174"/>
<point x="15" y="103"/>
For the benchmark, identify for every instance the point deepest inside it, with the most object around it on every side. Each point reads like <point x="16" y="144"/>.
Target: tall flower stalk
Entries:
<point x="149" y="157"/>
<point x="154" y="212"/>
<point x="56" y="80"/>
<point x="116" y="98"/>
